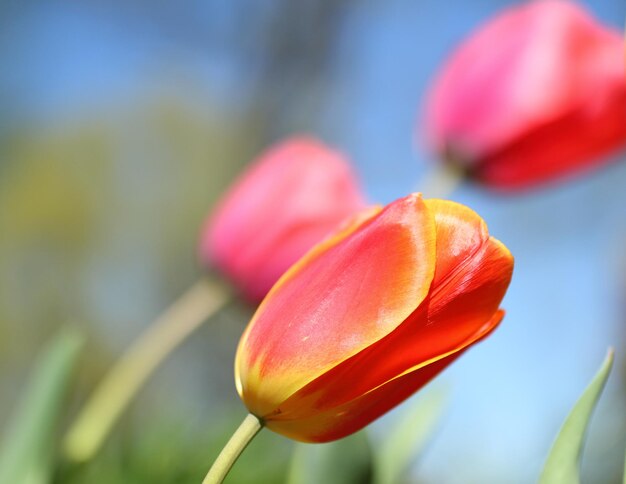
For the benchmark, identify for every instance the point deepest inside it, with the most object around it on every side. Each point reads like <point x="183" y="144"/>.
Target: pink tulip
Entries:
<point x="537" y="93"/>
<point x="289" y="199"/>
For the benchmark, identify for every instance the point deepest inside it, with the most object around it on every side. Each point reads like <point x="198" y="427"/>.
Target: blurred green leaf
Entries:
<point x="160" y="450"/>
<point x="344" y="461"/>
<point x="408" y="437"/>
<point x="28" y="445"/>
<point x="562" y="465"/>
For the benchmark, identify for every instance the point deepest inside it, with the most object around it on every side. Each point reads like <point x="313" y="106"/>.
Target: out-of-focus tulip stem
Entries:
<point x="441" y="181"/>
<point x="233" y="449"/>
<point x="140" y="360"/>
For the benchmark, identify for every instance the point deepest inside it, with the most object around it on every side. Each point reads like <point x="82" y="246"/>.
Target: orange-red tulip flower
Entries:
<point x="537" y="93"/>
<point x="290" y="198"/>
<point x="369" y="316"/>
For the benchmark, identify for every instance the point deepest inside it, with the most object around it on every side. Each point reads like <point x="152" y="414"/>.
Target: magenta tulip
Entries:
<point x="537" y="93"/>
<point x="289" y="199"/>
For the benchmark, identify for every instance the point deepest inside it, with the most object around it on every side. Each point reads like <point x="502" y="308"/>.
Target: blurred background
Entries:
<point x="122" y="122"/>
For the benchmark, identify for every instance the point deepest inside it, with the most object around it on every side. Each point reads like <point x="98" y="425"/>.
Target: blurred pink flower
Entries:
<point x="536" y="93"/>
<point x="290" y="198"/>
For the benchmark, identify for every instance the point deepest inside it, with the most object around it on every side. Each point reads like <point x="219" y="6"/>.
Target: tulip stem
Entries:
<point x="141" y="359"/>
<point x="441" y="181"/>
<point x="233" y="449"/>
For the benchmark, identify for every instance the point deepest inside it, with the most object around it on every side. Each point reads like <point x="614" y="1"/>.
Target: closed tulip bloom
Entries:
<point x="537" y="93"/>
<point x="290" y="198"/>
<point x="369" y="316"/>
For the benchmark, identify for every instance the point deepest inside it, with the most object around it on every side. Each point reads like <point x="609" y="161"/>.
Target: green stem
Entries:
<point x="131" y="371"/>
<point x="233" y="449"/>
<point x="441" y="181"/>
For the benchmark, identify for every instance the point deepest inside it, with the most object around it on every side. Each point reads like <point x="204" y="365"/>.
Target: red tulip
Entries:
<point x="369" y="316"/>
<point x="291" y="197"/>
<point x="537" y="93"/>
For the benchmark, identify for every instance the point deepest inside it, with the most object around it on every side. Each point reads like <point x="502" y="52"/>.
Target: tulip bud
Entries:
<point x="369" y="316"/>
<point x="290" y="198"/>
<point x="537" y="93"/>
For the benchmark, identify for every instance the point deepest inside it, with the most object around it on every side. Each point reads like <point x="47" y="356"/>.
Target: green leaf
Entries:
<point x="562" y="465"/>
<point x="28" y="444"/>
<point x="408" y="437"/>
<point x="344" y="461"/>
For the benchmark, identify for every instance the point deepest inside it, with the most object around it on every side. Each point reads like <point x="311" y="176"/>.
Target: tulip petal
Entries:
<point x="342" y="297"/>
<point x="467" y="290"/>
<point x="350" y="417"/>
<point x="460" y="233"/>
<point x="551" y="150"/>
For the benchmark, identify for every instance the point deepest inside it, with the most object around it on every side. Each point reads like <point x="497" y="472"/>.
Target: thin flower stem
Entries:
<point x="131" y="371"/>
<point x="441" y="181"/>
<point x="233" y="449"/>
